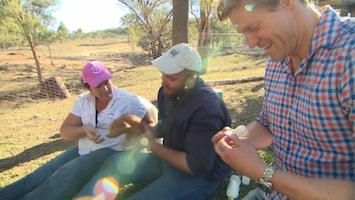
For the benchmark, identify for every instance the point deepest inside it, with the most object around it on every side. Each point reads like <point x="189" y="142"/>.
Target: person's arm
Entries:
<point x="174" y="158"/>
<point x="73" y="129"/>
<point x="298" y="187"/>
<point x="232" y="150"/>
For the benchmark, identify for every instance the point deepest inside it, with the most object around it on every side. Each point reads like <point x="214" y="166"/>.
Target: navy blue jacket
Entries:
<point x="188" y="123"/>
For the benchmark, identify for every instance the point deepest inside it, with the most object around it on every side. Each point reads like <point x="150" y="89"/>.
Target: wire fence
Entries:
<point x="21" y="75"/>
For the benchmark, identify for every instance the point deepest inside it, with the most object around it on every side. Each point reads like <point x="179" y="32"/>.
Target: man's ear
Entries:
<point x="287" y="3"/>
<point x="189" y="83"/>
<point x="190" y="80"/>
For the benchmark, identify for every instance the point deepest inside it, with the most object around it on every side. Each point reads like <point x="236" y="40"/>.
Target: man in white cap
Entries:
<point x="185" y="166"/>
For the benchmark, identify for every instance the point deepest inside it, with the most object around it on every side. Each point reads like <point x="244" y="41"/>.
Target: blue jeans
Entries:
<point x="255" y="194"/>
<point x="164" y="181"/>
<point x="31" y="181"/>
<point x="60" y="178"/>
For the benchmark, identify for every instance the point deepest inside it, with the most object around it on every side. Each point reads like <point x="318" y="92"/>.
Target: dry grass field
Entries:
<point x="29" y="125"/>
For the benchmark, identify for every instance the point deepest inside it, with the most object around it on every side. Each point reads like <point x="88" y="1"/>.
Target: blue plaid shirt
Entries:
<point x="311" y="114"/>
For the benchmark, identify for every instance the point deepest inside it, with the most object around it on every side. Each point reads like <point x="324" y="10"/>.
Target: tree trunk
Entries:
<point x="34" y="53"/>
<point x="180" y="21"/>
<point x="50" y="54"/>
<point x="153" y="45"/>
<point x="204" y="36"/>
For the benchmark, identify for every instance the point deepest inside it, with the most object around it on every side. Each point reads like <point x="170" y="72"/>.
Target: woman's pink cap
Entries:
<point x="94" y="73"/>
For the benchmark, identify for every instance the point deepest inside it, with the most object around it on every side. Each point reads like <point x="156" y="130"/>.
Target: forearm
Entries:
<point x="174" y="158"/>
<point x="72" y="128"/>
<point x="72" y="132"/>
<point x="298" y="187"/>
<point x="257" y="135"/>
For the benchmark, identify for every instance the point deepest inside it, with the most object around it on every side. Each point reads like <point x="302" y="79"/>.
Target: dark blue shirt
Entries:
<point x="188" y="123"/>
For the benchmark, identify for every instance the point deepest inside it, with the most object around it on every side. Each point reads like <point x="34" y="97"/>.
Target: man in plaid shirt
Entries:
<point x="308" y="113"/>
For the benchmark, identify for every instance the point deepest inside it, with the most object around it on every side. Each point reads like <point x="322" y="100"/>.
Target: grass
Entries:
<point x="29" y="126"/>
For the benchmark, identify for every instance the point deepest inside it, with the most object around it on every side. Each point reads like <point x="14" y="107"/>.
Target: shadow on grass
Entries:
<point x="34" y="153"/>
<point x="102" y="44"/>
<point x="251" y="107"/>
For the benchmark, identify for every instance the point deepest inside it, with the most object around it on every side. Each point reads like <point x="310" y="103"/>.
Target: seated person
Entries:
<point x="88" y="123"/>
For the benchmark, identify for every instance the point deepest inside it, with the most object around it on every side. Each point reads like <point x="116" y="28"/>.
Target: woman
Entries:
<point x="88" y="123"/>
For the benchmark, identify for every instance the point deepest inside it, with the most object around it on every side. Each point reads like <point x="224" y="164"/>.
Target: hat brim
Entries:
<point x="98" y="80"/>
<point x="166" y="65"/>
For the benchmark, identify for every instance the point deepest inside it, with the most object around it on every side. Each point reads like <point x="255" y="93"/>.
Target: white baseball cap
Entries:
<point x="179" y="57"/>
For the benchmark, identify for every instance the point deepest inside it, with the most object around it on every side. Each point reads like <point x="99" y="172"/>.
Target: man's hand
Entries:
<point x="241" y="156"/>
<point x="149" y="130"/>
<point x="148" y="135"/>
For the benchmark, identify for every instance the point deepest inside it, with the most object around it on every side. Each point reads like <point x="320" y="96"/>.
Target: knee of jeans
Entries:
<point x="112" y="161"/>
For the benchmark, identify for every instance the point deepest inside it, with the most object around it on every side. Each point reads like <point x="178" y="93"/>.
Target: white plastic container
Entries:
<point x="233" y="187"/>
<point x="245" y="180"/>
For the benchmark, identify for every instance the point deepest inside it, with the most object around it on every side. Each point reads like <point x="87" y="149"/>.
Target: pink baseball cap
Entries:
<point x="94" y="73"/>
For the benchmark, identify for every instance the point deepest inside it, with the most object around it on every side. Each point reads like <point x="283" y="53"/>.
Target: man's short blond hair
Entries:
<point x="226" y="6"/>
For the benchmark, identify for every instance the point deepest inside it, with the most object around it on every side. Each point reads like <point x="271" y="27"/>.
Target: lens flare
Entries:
<point x="144" y="141"/>
<point x="249" y="7"/>
<point x="106" y="188"/>
<point x="85" y="198"/>
<point x="126" y="165"/>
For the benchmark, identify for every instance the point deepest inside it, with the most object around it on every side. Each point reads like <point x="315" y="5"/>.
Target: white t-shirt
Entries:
<point x="151" y="109"/>
<point x="122" y="102"/>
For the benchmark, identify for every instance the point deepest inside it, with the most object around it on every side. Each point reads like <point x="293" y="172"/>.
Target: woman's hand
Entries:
<point x="92" y="134"/>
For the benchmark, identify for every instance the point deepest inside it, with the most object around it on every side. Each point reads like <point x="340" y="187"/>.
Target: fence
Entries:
<point x="31" y="117"/>
<point x="21" y="72"/>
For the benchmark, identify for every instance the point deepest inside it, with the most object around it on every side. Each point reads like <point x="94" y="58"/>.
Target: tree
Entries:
<point x="202" y="20"/>
<point x="47" y="37"/>
<point x="224" y="33"/>
<point x="78" y="34"/>
<point x="152" y="18"/>
<point x="132" y="37"/>
<point x="30" y="17"/>
<point x="203" y="26"/>
<point x="62" y="32"/>
<point x="180" y="21"/>
<point x="10" y="34"/>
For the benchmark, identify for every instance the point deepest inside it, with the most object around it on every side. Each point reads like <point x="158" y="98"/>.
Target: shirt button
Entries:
<point x="289" y="122"/>
<point x="288" y="148"/>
